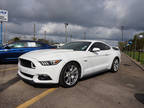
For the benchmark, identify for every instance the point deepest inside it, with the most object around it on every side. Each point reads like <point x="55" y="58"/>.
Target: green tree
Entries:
<point x="16" y="39"/>
<point x="122" y="45"/>
<point x="33" y="38"/>
<point x="138" y="43"/>
<point x="44" y="41"/>
<point x="50" y="42"/>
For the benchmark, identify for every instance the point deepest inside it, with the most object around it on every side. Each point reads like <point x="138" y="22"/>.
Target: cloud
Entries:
<point x="98" y="18"/>
<point x="115" y="8"/>
<point x="59" y="28"/>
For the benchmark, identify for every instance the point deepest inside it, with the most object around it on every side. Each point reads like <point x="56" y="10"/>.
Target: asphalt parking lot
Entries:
<point x="107" y="90"/>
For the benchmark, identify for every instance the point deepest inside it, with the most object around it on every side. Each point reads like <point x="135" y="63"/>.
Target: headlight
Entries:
<point x="48" y="63"/>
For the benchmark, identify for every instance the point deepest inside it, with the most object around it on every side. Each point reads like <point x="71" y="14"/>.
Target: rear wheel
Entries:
<point x="115" y="65"/>
<point x="70" y="75"/>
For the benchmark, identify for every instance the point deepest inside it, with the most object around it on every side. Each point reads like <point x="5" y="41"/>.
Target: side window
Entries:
<point x="99" y="45"/>
<point x="17" y="45"/>
<point x="31" y="44"/>
<point x="38" y="45"/>
<point x="106" y="47"/>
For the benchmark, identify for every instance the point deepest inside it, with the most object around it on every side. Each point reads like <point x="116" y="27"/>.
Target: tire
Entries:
<point x="70" y="75"/>
<point x="115" y="65"/>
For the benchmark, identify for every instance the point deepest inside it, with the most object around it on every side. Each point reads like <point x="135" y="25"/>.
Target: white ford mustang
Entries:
<point x="69" y="63"/>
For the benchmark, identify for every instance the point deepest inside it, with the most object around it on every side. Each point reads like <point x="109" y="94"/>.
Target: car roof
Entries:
<point x="29" y="41"/>
<point x="90" y="41"/>
<point x="26" y="41"/>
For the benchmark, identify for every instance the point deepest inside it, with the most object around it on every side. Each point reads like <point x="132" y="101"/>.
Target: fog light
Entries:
<point x="44" y="77"/>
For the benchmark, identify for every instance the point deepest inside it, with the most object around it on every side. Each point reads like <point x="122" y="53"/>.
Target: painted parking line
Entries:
<point x="36" y="98"/>
<point x="8" y="69"/>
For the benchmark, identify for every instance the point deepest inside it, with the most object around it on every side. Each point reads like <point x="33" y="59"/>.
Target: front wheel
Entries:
<point x="70" y="75"/>
<point x="115" y="65"/>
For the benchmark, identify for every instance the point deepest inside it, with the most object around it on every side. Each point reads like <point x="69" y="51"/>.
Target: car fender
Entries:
<point x="116" y="54"/>
<point x="78" y="60"/>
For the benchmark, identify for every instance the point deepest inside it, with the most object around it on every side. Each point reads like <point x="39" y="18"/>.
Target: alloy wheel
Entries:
<point x="71" y="75"/>
<point x="116" y="65"/>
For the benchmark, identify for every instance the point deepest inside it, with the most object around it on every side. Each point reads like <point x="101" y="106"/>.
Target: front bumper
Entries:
<point x="52" y="73"/>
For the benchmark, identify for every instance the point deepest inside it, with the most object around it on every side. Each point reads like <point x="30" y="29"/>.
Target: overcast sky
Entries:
<point x="100" y="19"/>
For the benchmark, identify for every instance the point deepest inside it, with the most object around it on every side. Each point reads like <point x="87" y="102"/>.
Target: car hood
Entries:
<point x="49" y="54"/>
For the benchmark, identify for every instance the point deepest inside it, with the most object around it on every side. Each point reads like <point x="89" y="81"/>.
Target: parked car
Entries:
<point x="12" y="51"/>
<point x="69" y="63"/>
<point x="58" y="45"/>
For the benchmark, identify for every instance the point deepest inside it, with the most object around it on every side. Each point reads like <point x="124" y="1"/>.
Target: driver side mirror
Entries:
<point x="95" y="50"/>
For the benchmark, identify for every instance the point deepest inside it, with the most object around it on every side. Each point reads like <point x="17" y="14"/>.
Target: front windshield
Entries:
<point x="16" y="45"/>
<point x="78" y="46"/>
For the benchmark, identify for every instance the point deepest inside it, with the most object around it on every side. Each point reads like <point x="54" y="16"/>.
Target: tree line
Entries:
<point x="50" y="42"/>
<point x="135" y="44"/>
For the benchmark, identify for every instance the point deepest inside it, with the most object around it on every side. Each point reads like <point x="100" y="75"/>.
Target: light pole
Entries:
<point x="1" y="37"/>
<point x="135" y="46"/>
<point x="45" y="35"/>
<point x="34" y="32"/>
<point x="5" y="33"/>
<point x="139" y="37"/>
<point x="66" y="34"/>
<point x="71" y="37"/>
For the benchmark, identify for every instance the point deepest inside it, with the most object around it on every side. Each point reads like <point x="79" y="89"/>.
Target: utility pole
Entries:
<point x="5" y="33"/>
<point x="34" y="32"/>
<point x="71" y="37"/>
<point x="135" y="45"/>
<point x="3" y="18"/>
<point x="122" y="29"/>
<point x="45" y="35"/>
<point x="66" y="34"/>
<point x="1" y="33"/>
<point x="84" y="35"/>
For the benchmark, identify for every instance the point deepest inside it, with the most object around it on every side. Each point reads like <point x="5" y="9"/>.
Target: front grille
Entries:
<point x="26" y="63"/>
<point x="28" y="75"/>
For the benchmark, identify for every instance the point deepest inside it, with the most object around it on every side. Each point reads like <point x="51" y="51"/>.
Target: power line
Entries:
<point x="66" y="33"/>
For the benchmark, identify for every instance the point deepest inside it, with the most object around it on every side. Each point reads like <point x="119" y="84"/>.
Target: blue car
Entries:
<point x="12" y="51"/>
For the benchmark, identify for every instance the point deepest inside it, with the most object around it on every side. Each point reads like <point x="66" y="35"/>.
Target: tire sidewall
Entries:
<point x="112" y="68"/>
<point x="61" y="79"/>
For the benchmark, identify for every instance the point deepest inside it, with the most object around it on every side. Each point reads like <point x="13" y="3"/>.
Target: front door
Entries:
<point x="97" y="61"/>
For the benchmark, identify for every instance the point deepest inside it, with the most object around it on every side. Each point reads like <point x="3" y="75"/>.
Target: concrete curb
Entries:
<point x="135" y="62"/>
